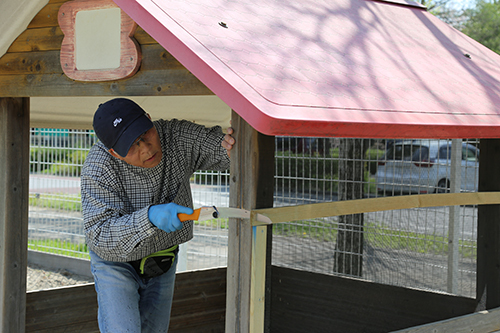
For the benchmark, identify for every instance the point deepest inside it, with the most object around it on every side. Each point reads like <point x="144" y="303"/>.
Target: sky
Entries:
<point x="461" y="4"/>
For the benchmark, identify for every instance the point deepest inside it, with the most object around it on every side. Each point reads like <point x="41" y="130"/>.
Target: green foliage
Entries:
<point x="305" y="173"/>
<point x="57" y="161"/>
<point x="315" y="173"/>
<point x="483" y="23"/>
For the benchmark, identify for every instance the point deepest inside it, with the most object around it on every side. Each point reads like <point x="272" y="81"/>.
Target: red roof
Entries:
<point x="345" y="68"/>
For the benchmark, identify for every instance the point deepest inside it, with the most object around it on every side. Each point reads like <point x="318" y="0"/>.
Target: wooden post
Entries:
<point x="14" y="187"/>
<point x="252" y="179"/>
<point x="488" y="228"/>
<point x="454" y="217"/>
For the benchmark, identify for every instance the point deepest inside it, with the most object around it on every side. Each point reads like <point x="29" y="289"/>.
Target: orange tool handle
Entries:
<point x="186" y="217"/>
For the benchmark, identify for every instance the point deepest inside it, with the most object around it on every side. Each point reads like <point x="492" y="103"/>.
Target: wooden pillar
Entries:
<point x="14" y="187"/>
<point x="488" y="229"/>
<point x="249" y="253"/>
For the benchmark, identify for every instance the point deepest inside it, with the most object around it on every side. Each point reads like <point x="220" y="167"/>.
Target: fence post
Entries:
<point x="248" y="266"/>
<point x="454" y="217"/>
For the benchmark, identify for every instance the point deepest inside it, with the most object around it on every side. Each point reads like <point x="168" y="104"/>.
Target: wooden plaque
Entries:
<point x="130" y="54"/>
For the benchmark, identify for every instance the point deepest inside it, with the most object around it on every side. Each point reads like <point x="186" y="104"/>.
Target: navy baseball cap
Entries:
<point x="119" y="122"/>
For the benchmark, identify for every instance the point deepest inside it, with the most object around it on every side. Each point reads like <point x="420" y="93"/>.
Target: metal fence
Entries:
<point x="407" y="247"/>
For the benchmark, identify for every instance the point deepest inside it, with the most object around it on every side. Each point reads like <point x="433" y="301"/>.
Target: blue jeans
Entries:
<point x="128" y="303"/>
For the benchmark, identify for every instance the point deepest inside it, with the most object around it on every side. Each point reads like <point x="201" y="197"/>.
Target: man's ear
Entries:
<point x="115" y="154"/>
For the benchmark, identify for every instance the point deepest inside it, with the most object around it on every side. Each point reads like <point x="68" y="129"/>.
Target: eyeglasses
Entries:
<point x="141" y="138"/>
<point x="145" y="137"/>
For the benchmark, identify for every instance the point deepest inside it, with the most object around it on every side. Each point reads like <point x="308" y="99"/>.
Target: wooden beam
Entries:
<point x="252" y="179"/>
<point x="144" y="83"/>
<point x="337" y="208"/>
<point x="14" y="188"/>
<point x="39" y="74"/>
<point x="155" y="57"/>
<point x="488" y="228"/>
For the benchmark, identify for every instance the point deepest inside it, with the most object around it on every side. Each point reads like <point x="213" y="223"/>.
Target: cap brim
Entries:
<point x="131" y="134"/>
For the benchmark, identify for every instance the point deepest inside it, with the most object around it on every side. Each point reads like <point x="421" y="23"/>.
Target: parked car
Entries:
<point x="424" y="166"/>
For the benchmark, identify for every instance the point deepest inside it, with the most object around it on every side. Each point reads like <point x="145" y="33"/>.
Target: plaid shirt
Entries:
<point x="116" y="196"/>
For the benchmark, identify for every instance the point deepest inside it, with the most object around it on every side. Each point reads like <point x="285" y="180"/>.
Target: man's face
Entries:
<point x="145" y="152"/>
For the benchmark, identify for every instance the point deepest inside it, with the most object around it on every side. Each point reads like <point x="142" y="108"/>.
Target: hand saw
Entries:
<point x="212" y="212"/>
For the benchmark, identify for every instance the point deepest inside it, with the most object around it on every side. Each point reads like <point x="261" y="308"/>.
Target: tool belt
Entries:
<point x="155" y="264"/>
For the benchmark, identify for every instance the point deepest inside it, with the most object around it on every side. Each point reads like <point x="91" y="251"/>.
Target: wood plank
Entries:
<point x="57" y="308"/>
<point x="143" y="37"/>
<point x="306" y="301"/>
<point x="21" y="63"/>
<point x="488" y="229"/>
<point x="41" y="39"/>
<point x="47" y="17"/>
<point x="199" y="305"/>
<point x="337" y="208"/>
<point x="144" y="83"/>
<point x="482" y="321"/>
<point x="14" y="194"/>
<point x="251" y="187"/>
<point x="155" y="57"/>
<point x="46" y="35"/>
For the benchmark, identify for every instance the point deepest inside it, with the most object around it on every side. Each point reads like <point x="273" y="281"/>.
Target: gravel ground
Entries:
<point x="40" y="279"/>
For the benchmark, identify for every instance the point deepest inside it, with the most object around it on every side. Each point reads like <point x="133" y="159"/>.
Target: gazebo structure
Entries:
<point x="347" y="68"/>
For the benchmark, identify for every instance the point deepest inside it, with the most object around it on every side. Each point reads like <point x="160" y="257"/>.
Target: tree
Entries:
<point x="483" y="24"/>
<point x="348" y="257"/>
<point x="443" y="9"/>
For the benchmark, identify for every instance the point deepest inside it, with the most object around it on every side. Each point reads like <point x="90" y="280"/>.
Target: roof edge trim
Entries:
<point x="408" y="3"/>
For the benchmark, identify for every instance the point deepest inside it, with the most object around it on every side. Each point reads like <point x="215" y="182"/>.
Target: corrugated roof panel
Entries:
<point x="351" y="68"/>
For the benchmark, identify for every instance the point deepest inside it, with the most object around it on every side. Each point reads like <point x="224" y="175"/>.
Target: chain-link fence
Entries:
<point x="407" y="247"/>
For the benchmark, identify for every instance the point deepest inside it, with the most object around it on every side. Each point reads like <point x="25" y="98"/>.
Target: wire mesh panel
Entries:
<point x="209" y="246"/>
<point x="55" y="217"/>
<point x="407" y="247"/>
<point x="55" y="221"/>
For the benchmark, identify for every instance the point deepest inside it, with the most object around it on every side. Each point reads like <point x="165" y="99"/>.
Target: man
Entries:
<point x="134" y="182"/>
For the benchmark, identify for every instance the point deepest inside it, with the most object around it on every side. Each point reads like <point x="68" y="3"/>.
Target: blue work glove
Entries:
<point x="165" y="217"/>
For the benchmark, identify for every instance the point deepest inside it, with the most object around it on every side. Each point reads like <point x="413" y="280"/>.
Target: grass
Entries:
<point x="378" y="236"/>
<point x="60" y="247"/>
<point x="58" y="201"/>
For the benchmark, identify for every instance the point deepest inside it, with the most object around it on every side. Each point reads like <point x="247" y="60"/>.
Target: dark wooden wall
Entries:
<point x="300" y="302"/>
<point x="199" y="306"/>
<point x="311" y="302"/>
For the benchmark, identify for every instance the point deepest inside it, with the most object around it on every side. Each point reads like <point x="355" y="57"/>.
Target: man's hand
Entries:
<point x="228" y="141"/>
<point x="164" y="216"/>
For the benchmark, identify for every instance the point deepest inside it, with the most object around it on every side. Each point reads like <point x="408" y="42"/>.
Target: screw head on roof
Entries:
<point x="223" y="24"/>
<point x="467" y="56"/>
